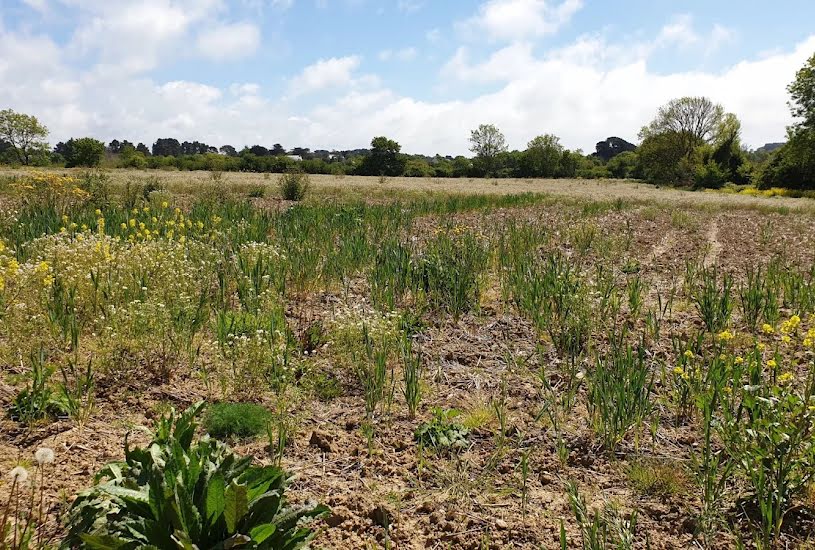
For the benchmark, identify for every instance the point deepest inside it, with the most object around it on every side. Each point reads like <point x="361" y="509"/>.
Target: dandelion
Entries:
<point x="18" y="475"/>
<point x="44" y="455"/>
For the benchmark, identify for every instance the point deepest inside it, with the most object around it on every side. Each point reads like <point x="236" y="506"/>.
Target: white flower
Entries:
<point x="18" y="475"/>
<point x="44" y="455"/>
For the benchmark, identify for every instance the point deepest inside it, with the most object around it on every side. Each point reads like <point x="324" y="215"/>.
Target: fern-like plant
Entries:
<point x="181" y="493"/>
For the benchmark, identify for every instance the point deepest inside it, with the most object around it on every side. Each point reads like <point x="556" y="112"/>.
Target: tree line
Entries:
<point x="691" y="141"/>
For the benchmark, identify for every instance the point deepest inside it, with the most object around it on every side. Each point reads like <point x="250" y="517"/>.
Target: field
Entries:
<point x="442" y="363"/>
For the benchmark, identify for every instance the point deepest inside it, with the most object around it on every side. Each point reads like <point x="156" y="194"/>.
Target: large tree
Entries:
<point x="693" y="121"/>
<point x="87" y="152"/>
<point x="487" y="143"/>
<point x="802" y="95"/>
<point x="793" y="165"/>
<point x="384" y="159"/>
<point x="24" y="133"/>
<point x="542" y="156"/>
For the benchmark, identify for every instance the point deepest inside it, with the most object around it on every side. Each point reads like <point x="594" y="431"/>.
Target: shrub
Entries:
<point x="177" y="493"/>
<point x="294" y="185"/>
<point x="240" y="420"/>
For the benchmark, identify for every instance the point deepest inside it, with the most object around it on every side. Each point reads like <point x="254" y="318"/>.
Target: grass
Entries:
<point x="236" y="420"/>
<point x="560" y="323"/>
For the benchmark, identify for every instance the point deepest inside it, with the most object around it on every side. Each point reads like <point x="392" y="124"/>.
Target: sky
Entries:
<point x="332" y="74"/>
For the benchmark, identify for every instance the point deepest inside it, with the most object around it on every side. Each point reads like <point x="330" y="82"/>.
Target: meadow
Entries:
<point x="440" y="363"/>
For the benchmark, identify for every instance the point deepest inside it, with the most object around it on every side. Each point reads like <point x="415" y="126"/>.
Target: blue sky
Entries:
<point x="334" y="73"/>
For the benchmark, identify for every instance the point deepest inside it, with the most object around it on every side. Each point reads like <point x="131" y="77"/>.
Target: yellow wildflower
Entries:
<point x="761" y="346"/>
<point x="679" y="371"/>
<point x="767" y="329"/>
<point x="807" y="342"/>
<point x="772" y="363"/>
<point x="688" y="354"/>
<point x="785" y="378"/>
<point x="165" y="204"/>
<point x="725" y="336"/>
<point x="132" y="222"/>
<point x="738" y="360"/>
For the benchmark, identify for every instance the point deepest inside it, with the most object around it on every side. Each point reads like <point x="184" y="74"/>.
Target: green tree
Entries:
<point x="25" y="134"/>
<point x="802" y="94"/>
<point x="542" y="156"/>
<point x="623" y="165"/>
<point x="691" y="121"/>
<point x="85" y="151"/>
<point x="384" y="159"/>
<point x="487" y="143"/>
<point x="662" y="159"/>
<point x="793" y="165"/>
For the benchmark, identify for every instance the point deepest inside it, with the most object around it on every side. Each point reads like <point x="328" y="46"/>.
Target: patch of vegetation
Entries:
<point x="239" y="420"/>
<point x="180" y="492"/>
<point x="657" y="478"/>
<point x="442" y="433"/>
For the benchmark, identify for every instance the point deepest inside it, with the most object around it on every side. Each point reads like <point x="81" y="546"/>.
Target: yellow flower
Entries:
<point x="2" y="284"/>
<point x="739" y="360"/>
<point x="786" y="339"/>
<point x="2" y="246"/>
<point x="182" y="239"/>
<point x="145" y="209"/>
<point x="725" y="336"/>
<point x="767" y="329"/>
<point x="807" y="342"/>
<point x="123" y="225"/>
<point x="772" y="364"/>
<point x="679" y="371"/>
<point x="785" y="378"/>
<point x="62" y="230"/>
<point x="761" y="346"/>
<point x="165" y="204"/>
<point x="13" y="267"/>
<point x="98" y="213"/>
<point x="132" y="222"/>
<point x="41" y="268"/>
<point x="688" y="354"/>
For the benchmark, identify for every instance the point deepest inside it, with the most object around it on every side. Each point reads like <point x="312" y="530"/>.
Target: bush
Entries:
<point x="240" y="420"/>
<point x="177" y="493"/>
<point x="294" y="185"/>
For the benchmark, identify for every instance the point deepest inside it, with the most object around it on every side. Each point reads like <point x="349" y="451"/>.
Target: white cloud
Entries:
<point x="584" y="91"/>
<point x="405" y="54"/>
<point x="325" y="73"/>
<point x="38" y="5"/>
<point x="226" y="42"/>
<point x="511" y="20"/>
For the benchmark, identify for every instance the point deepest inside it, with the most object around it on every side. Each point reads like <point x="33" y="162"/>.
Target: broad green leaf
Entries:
<point x="214" y="504"/>
<point x="262" y="532"/>
<point x="236" y="504"/>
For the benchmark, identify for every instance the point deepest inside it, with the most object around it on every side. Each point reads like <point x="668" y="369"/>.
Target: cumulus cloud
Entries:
<point x="226" y="42"/>
<point x="582" y="91"/>
<point x="325" y="73"/>
<point x="510" y="20"/>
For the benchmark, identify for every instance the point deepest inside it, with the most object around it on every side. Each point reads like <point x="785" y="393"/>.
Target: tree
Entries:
<point x="115" y="147"/>
<point x="542" y="156"/>
<point x="24" y="133"/>
<point x="142" y="148"/>
<point x="278" y="150"/>
<point x="85" y="151"/>
<point x="793" y="164"/>
<point x="384" y="159"/>
<point x="623" y="165"/>
<point x="259" y="150"/>
<point x="613" y="146"/>
<point x="802" y="95"/>
<point x="692" y="121"/>
<point x="166" y="147"/>
<point x="487" y="142"/>
<point x="662" y="159"/>
<point x="229" y="151"/>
